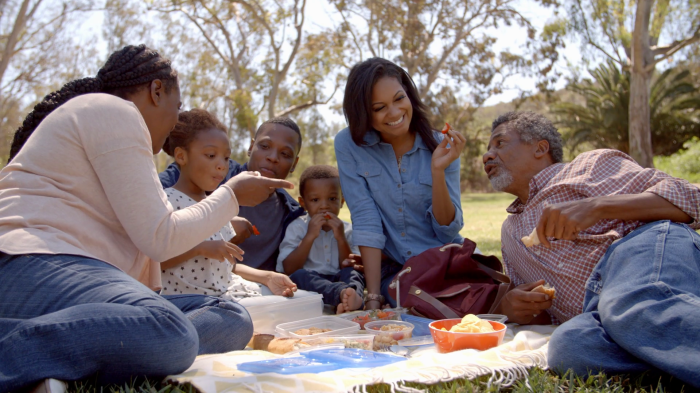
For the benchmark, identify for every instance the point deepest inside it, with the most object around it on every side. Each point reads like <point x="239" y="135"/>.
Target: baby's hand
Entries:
<point x="315" y="224"/>
<point x="336" y="225"/>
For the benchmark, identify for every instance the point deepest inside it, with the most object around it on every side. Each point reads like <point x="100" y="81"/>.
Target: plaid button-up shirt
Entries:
<point x="568" y="264"/>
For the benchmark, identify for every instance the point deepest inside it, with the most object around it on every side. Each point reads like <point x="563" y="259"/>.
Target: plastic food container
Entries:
<point x="494" y="317"/>
<point x="447" y="341"/>
<point x="354" y="341"/>
<point x="362" y="317"/>
<point x="277" y="310"/>
<point x="396" y="330"/>
<point x="337" y="327"/>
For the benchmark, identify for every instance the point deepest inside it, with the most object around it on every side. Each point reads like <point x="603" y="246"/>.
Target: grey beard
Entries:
<point x="502" y="180"/>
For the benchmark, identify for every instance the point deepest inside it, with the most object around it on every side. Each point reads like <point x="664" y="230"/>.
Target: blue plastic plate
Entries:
<point x="353" y="358"/>
<point x="295" y="365"/>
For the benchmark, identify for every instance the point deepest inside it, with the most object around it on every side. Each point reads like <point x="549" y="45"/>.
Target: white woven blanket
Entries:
<point x="524" y="347"/>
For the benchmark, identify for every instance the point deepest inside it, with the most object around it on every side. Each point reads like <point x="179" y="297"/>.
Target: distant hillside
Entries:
<point x="538" y="103"/>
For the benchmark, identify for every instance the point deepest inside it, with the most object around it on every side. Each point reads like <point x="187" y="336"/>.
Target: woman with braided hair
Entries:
<point x="84" y="224"/>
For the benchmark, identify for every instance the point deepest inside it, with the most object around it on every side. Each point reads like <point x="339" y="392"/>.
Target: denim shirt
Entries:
<point x="170" y="175"/>
<point x="392" y="210"/>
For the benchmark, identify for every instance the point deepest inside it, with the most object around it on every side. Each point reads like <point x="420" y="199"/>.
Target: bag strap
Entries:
<point x="446" y="312"/>
<point x="502" y="290"/>
<point x="498" y="276"/>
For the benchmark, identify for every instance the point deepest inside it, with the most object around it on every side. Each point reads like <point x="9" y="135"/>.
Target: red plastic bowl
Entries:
<point x="447" y="341"/>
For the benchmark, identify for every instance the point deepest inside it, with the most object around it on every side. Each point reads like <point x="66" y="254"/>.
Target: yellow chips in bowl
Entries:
<point x="471" y="324"/>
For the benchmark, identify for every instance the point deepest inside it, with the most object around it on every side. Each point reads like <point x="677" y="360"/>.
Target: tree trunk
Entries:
<point x="640" y="120"/>
<point x="639" y="116"/>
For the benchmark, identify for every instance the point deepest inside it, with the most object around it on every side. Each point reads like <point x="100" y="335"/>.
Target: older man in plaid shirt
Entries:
<point x="616" y="243"/>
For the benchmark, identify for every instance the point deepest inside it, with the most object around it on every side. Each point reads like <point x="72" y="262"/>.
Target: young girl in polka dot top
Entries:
<point x="199" y="144"/>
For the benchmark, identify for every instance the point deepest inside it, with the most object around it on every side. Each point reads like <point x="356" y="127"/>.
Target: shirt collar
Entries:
<point x="537" y="183"/>
<point x="372" y="138"/>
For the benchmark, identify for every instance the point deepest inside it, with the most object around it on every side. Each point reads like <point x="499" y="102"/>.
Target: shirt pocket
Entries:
<point x="372" y="175"/>
<point x="425" y="187"/>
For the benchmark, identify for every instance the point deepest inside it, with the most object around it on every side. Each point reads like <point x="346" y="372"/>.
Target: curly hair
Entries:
<point x="357" y="103"/>
<point x="189" y="124"/>
<point x="317" y="172"/>
<point x="283" y="121"/>
<point x="534" y="127"/>
<point x="126" y="71"/>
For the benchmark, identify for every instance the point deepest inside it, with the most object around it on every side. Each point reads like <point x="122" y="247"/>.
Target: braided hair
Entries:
<point x="126" y="71"/>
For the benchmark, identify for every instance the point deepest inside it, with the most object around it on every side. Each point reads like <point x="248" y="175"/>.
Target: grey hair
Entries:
<point x="534" y="127"/>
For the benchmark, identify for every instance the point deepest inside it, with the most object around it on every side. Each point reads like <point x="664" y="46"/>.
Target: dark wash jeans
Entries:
<point x="329" y="285"/>
<point x="642" y="308"/>
<point x="70" y="317"/>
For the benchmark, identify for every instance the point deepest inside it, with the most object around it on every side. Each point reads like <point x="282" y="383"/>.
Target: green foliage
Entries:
<point x="603" y="120"/>
<point x="684" y="163"/>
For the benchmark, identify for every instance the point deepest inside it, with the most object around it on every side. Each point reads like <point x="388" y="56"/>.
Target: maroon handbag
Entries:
<point x="450" y="282"/>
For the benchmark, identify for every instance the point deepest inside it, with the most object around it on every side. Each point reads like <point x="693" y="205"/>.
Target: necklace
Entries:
<point x="398" y="160"/>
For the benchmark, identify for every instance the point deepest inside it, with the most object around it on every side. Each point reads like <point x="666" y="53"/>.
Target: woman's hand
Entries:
<point x="443" y="155"/>
<point x="280" y="284"/>
<point x="243" y="229"/>
<point x="220" y="250"/>
<point x="251" y="188"/>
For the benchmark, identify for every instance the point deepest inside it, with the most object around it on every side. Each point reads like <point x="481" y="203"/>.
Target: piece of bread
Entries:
<point x="532" y="239"/>
<point x="261" y="341"/>
<point x="546" y="289"/>
<point x="283" y="345"/>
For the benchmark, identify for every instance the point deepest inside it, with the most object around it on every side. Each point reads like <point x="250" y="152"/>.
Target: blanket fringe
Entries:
<point x="500" y="378"/>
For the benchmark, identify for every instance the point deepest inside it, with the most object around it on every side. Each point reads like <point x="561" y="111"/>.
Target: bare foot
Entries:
<point x="350" y="301"/>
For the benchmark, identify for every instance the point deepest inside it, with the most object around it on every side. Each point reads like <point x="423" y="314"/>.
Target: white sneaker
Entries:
<point x="50" y="385"/>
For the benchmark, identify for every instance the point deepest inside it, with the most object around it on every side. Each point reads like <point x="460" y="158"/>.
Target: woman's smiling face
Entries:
<point x="391" y="108"/>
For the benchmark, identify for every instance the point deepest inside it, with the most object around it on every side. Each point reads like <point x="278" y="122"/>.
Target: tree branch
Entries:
<point x="671" y="49"/>
<point x="590" y="39"/>
<point x="307" y="104"/>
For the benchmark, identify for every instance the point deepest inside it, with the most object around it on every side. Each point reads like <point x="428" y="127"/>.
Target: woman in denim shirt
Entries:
<point x="399" y="176"/>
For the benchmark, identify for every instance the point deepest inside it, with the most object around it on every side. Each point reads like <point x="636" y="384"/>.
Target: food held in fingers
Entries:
<point x="532" y="239"/>
<point x="255" y="231"/>
<point x="546" y="289"/>
<point x="446" y="129"/>
<point x="327" y="216"/>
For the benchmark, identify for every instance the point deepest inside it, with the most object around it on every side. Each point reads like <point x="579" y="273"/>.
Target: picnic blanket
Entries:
<point x="524" y="347"/>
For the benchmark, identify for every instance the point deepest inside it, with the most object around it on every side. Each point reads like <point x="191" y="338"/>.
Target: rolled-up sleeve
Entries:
<point x="611" y="172"/>
<point x="367" y="223"/>
<point x="446" y="233"/>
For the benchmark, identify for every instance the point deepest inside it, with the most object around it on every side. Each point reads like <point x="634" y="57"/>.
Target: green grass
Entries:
<point x="483" y="216"/>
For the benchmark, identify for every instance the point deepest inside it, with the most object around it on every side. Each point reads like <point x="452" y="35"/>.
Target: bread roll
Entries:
<point x="261" y="341"/>
<point x="546" y="289"/>
<point x="532" y="239"/>
<point x="283" y="345"/>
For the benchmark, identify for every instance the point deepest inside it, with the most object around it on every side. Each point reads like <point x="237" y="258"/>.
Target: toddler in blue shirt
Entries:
<point x="315" y="245"/>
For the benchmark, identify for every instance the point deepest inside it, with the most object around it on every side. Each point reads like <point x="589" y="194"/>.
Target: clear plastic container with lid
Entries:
<point x="389" y="333"/>
<point x="317" y="327"/>
<point x="269" y="311"/>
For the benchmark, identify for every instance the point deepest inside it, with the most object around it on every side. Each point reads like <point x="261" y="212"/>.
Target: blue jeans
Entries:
<point x="641" y="309"/>
<point x="70" y="317"/>
<point x="329" y="285"/>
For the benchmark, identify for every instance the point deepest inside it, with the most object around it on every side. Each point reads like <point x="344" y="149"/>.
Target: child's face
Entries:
<point x="274" y="151"/>
<point x="391" y="108"/>
<point x="205" y="162"/>
<point x="322" y="196"/>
